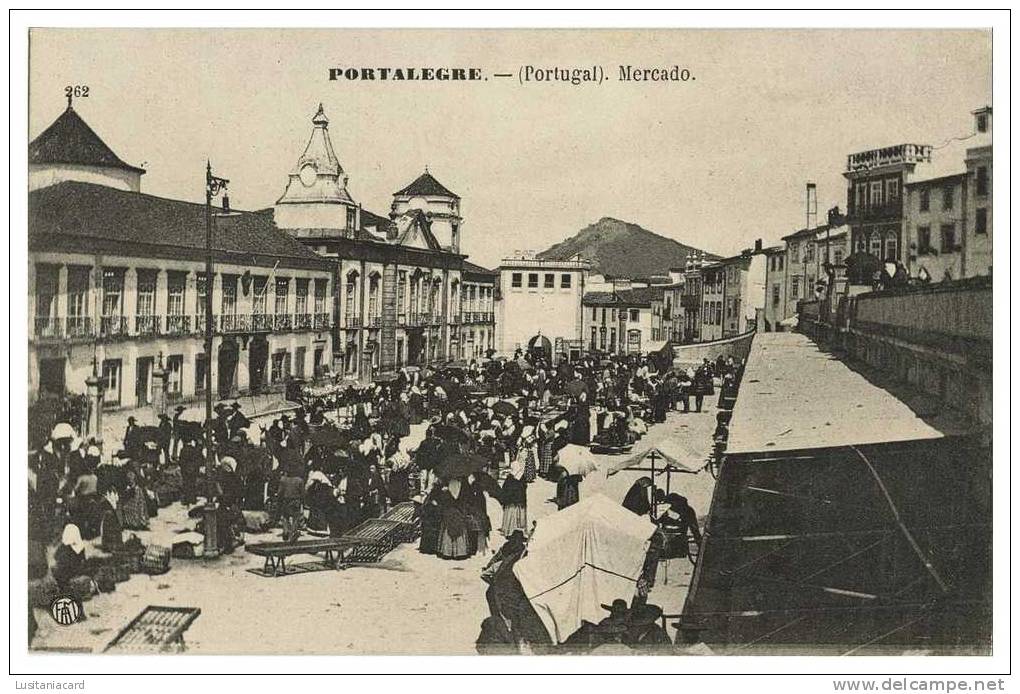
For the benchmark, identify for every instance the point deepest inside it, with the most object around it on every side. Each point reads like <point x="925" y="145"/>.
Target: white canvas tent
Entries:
<point x="667" y="452"/>
<point x="580" y="558"/>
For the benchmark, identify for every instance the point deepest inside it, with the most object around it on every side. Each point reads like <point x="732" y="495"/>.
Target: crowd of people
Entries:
<point x="346" y="454"/>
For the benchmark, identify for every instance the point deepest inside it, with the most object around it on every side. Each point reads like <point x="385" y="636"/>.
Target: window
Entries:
<point x="299" y="362"/>
<point x="809" y="252"/>
<point x="982" y="123"/>
<point x="200" y="283"/>
<point x="634" y="314"/>
<point x="515" y="280"/>
<point x="862" y="195"/>
<point x="301" y="297"/>
<point x="924" y="200"/>
<point x="612" y="339"/>
<point x="875" y="245"/>
<point x="862" y="243"/>
<point x="111" y="381"/>
<point x="228" y="300"/>
<point x="603" y="316"/>
<point x="947" y="198"/>
<point x="550" y="281"/>
<point x="200" y="371"/>
<point x="981" y="221"/>
<point x="146" y="296"/>
<point x="175" y="288"/>
<point x="775" y="294"/>
<point x="565" y="280"/>
<point x="780" y="263"/>
<point x="532" y="280"/>
<point x="77" y="291"/>
<point x="794" y="247"/>
<point x="46" y="290"/>
<point x="352" y="218"/>
<point x="613" y="312"/>
<point x="281" y="366"/>
<point x="982" y="180"/>
<point x="795" y="288"/>
<point x="113" y="291"/>
<point x="282" y="295"/>
<point x="350" y="295"/>
<point x="890" y="246"/>
<point x="837" y="256"/>
<point x="594" y="335"/>
<point x="948" y="232"/>
<point x="876" y="193"/>
<point x="401" y="293"/>
<point x="174" y="374"/>
<point x="892" y="189"/>
<point x="924" y="240"/>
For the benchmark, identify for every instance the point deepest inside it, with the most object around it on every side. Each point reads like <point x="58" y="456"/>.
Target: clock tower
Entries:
<point x="316" y="197"/>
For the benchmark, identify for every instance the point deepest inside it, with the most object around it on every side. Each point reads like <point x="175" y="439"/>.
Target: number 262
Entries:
<point x="78" y="90"/>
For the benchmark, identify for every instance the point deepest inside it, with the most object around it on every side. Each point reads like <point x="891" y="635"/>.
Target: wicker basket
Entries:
<point x="156" y="560"/>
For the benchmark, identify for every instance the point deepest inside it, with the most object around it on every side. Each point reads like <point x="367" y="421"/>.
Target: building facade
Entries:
<point x="403" y="295"/>
<point x="627" y="321"/>
<point x="541" y="299"/>
<point x="117" y="286"/>
<point x="876" y="179"/>
<point x="948" y="216"/>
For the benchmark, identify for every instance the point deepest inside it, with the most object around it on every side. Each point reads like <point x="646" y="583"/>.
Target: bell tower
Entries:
<point x="316" y="196"/>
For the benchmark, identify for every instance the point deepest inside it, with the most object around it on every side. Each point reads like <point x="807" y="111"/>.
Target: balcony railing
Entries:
<point x="302" y="321"/>
<point x="147" y="325"/>
<point x="352" y="321"/>
<point x="178" y="324"/>
<point x="47" y="328"/>
<point x="282" y="321"/>
<point x="374" y="321"/>
<point x="321" y="321"/>
<point x="78" y="326"/>
<point x="113" y="326"/>
<point x="261" y="322"/>
<point x="235" y="323"/>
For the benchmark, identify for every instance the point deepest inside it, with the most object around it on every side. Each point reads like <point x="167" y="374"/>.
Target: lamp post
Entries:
<point x="213" y="187"/>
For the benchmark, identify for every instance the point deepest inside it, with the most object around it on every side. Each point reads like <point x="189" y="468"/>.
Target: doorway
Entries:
<point x="143" y="381"/>
<point x="51" y="376"/>
<point x="227" y="359"/>
<point x="258" y="358"/>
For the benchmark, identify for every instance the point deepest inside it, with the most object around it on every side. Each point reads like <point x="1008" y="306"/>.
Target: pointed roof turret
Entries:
<point x="426" y="185"/>
<point x="317" y="176"/>
<point x="69" y="140"/>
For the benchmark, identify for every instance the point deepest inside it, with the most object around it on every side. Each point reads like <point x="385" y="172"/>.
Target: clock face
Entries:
<point x="307" y="174"/>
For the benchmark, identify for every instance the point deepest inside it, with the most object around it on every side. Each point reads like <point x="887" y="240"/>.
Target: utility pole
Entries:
<point x="213" y="186"/>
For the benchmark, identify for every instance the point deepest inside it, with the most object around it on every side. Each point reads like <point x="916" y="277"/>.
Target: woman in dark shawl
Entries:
<point x="636" y="501"/>
<point x="568" y="490"/>
<point x="453" y="528"/>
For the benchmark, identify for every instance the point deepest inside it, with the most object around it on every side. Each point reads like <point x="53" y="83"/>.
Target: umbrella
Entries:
<point x="580" y="558"/>
<point x="460" y="465"/>
<point x="63" y="430"/>
<point x="330" y="437"/>
<point x="576" y="460"/>
<point x="504" y="408"/>
<point x="576" y="387"/>
<point x="450" y="433"/>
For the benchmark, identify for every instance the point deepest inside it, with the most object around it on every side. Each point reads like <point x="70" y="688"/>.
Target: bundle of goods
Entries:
<point x="155" y="560"/>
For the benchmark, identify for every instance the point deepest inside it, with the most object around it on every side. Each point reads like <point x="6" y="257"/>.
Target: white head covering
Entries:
<point x="72" y="538"/>
<point x="228" y="462"/>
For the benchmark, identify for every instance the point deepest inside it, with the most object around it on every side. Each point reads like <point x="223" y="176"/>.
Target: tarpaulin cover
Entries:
<point x="580" y="558"/>
<point x="673" y="451"/>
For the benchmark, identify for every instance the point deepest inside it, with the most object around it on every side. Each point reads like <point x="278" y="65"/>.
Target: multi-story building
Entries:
<point x="775" y="289"/>
<point x="624" y="321"/>
<point x="691" y="298"/>
<point x="540" y="305"/>
<point x="713" y="290"/>
<point x="403" y="294"/>
<point x="876" y="179"/>
<point x="948" y="215"/>
<point x="117" y="284"/>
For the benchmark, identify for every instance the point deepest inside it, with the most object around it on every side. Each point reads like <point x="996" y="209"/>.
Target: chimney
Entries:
<point x="757" y="246"/>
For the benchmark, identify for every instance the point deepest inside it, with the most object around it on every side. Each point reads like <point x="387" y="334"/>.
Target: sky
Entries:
<point x="716" y="162"/>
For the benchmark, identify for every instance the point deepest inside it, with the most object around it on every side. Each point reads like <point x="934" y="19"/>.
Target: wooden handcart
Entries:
<point x="276" y="554"/>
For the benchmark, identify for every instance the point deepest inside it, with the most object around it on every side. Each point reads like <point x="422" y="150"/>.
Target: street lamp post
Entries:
<point x="213" y="187"/>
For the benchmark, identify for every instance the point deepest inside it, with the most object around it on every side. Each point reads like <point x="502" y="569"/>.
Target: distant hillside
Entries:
<point x="622" y="249"/>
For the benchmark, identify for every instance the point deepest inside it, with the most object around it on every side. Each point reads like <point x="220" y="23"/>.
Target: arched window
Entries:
<point x="351" y="295"/>
<point x="890" y="245"/>
<point x="374" y="305"/>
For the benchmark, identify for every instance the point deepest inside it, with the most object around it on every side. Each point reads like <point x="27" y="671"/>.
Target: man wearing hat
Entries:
<point x="643" y="629"/>
<point x="166" y="434"/>
<point x="236" y="420"/>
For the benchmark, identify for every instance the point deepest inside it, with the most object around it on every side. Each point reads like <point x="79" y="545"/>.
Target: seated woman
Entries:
<point x="132" y="505"/>
<point x="69" y="560"/>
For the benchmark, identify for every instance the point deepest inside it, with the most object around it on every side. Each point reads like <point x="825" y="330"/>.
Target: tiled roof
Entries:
<point x="426" y="184"/>
<point x="69" y="140"/>
<point x="72" y="214"/>
<point x="478" y="269"/>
